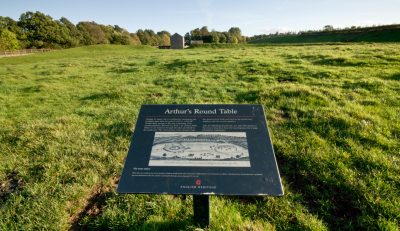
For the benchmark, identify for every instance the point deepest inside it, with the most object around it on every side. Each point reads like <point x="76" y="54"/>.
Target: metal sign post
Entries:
<point x="201" y="209"/>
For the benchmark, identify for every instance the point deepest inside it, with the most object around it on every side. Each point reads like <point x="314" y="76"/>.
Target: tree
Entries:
<point x="215" y="37"/>
<point x="164" y="32"/>
<point x="122" y="38"/>
<point x="93" y="33"/>
<point x="135" y="39"/>
<point x="233" y="35"/>
<point x="223" y="38"/>
<point x="233" y="40"/>
<point x="204" y="31"/>
<point x="140" y="34"/>
<point x="37" y="28"/>
<point x="164" y="38"/>
<point x="148" y="37"/>
<point x="116" y="34"/>
<point x="195" y="34"/>
<point x="41" y="30"/>
<point x="187" y="38"/>
<point x="228" y="37"/>
<point x="9" y="24"/>
<point x="118" y="28"/>
<point x="8" y="40"/>
<point x="235" y="32"/>
<point x="85" y="39"/>
<point x="152" y="37"/>
<point x="328" y="28"/>
<point x="74" y="35"/>
<point x="108" y="31"/>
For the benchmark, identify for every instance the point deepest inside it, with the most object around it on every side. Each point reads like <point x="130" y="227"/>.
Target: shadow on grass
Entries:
<point x="330" y="198"/>
<point x="370" y="86"/>
<point x="324" y="188"/>
<point x="337" y="130"/>
<point x="288" y="78"/>
<point x="113" y="131"/>
<point x="254" y="67"/>
<point x="149" y="225"/>
<point x="162" y="225"/>
<point x="92" y="217"/>
<point x="394" y="77"/>
<point x="245" y="199"/>
<point x="32" y="89"/>
<point x="178" y="64"/>
<point x="37" y="172"/>
<point x="250" y="78"/>
<point x="321" y="74"/>
<point x="118" y="129"/>
<point x="343" y="62"/>
<point x="248" y="96"/>
<point x="12" y="184"/>
<point x="102" y="96"/>
<point x="124" y="69"/>
<point x="93" y="208"/>
<point x="168" y="81"/>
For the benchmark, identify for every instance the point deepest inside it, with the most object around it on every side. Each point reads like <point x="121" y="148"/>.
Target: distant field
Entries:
<point x="334" y="114"/>
<point x="383" y="35"/>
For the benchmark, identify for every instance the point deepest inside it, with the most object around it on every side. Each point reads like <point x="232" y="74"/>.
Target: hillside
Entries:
<point x="333" y="112"/>
<point x="373" y="34"/>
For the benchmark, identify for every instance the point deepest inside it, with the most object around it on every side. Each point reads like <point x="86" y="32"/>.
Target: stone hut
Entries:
<point x="177" y="41"/>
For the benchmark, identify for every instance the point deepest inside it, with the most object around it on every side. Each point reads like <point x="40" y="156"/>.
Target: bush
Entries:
<point x="8" y="40"/>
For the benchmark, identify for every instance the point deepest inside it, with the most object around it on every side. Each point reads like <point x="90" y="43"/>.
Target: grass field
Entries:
<point x="334" y="115"/>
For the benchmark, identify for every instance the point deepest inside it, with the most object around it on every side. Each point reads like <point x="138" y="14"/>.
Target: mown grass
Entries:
<point x="333" y="110"/>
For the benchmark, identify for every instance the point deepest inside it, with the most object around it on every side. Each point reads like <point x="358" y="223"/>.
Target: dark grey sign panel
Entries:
<point x="201" y="149"/>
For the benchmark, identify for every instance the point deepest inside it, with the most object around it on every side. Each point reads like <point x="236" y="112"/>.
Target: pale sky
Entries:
<point x="252" y="16"/>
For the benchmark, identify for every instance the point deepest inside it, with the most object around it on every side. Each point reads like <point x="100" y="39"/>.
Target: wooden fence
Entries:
<point x="23" y="52"/>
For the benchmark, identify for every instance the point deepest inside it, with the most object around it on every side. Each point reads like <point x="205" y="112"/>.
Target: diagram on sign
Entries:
<point x="200" y="149"/>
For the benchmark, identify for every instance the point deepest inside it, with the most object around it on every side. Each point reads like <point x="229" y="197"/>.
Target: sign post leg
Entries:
<point x="201" y="207"/>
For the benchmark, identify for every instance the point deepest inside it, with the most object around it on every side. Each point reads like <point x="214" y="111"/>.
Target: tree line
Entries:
<point x="37" y="30"/>
<point x="328" y="29"/>
<point x="233" y="35"/>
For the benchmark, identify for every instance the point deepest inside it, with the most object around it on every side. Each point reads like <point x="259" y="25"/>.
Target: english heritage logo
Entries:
<point x="198" y="182"/>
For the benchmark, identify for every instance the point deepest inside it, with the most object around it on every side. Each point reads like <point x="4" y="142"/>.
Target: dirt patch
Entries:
<point x="93" y="204"/>
<point x="12" y="184"/>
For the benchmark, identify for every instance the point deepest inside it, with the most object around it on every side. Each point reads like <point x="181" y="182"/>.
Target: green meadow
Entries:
<point x="67" y="116"/>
